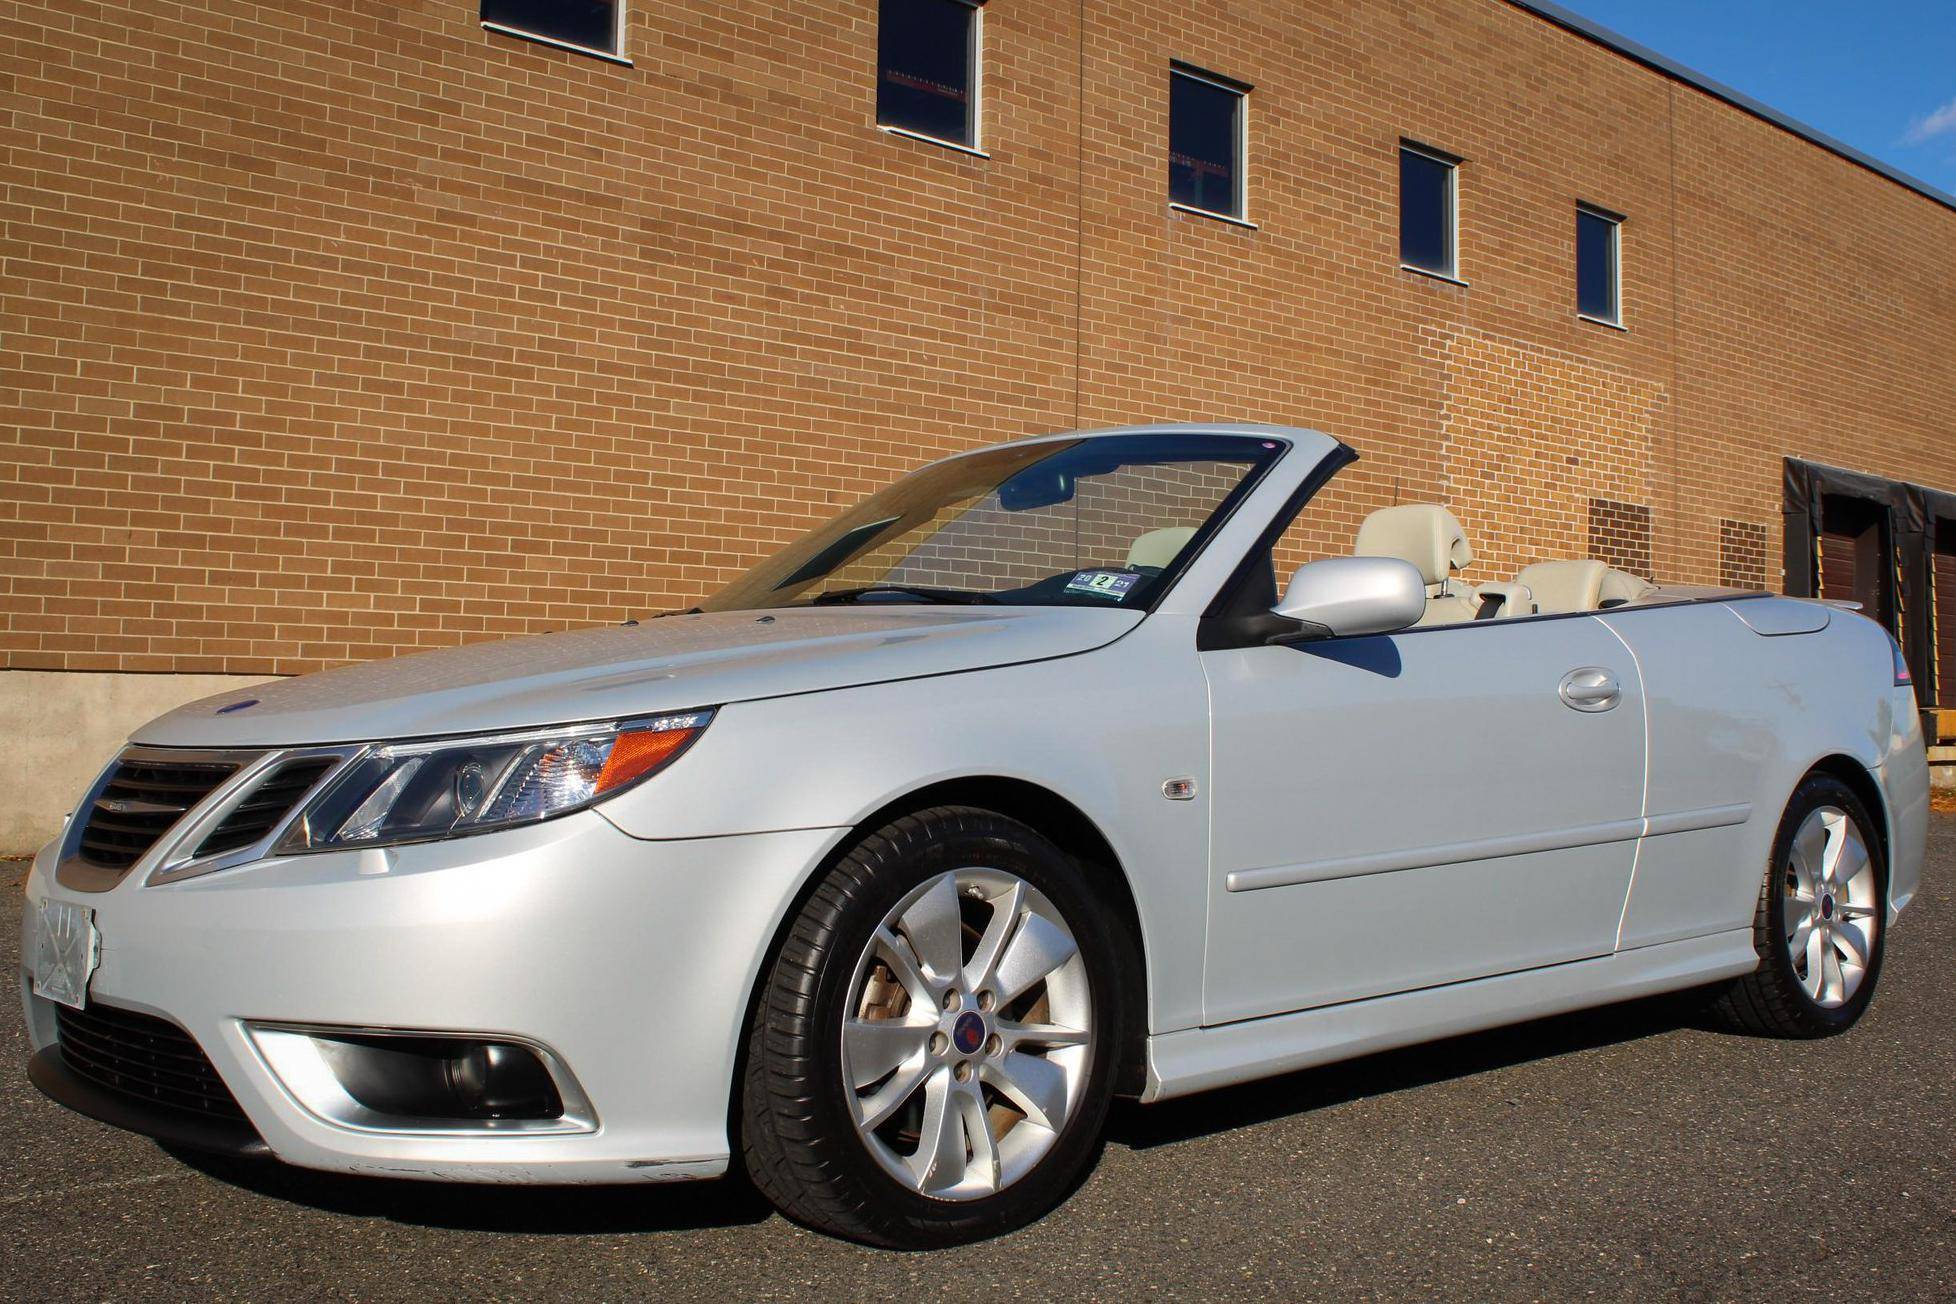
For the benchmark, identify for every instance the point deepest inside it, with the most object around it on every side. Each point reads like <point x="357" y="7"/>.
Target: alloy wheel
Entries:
<point x="968" y="1034"/>
<point x="1832" y="906"/>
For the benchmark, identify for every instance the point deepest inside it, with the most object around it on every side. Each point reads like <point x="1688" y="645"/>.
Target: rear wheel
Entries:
<point x="1819" y="924"/>
<point x="933" y="1050"/>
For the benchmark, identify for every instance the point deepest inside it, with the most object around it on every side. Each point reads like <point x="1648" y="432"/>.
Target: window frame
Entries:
<point x="619" y="28"/>
<point x="975" y="114"/>
<point x="1241" y="90"/>
<point x="1270" y="451"/>
<point x="1234" y="620"/>
<point x="1452" y="163"/>
<point x="1615" y="221"/>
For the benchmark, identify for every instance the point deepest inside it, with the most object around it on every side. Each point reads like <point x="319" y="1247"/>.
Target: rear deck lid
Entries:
<point x="1775" y="617"/>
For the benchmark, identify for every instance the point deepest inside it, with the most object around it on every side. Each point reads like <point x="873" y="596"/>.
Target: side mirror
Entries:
<point x="1353" y="595"/>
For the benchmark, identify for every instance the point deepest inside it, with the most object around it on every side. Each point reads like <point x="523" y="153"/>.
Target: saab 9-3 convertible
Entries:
<point x="1017" y="787"/>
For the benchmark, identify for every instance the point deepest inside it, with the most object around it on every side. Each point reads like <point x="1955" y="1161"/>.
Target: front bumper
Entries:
<point x="632" y="961"/>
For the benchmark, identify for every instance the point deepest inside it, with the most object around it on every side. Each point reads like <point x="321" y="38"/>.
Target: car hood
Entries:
<point x="670" y="664"/>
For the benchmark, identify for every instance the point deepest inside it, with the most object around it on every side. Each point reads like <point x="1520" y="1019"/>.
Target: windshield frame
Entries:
<point x="1258" y="451"/>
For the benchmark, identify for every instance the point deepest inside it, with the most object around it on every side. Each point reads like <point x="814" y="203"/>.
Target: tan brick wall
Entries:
<point x="1742" y="555"/>
<point x="332" y="330"/>
<point x="1534" y="438"/>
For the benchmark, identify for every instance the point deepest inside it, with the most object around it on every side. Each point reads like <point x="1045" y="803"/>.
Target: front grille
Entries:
<point x="142" y="800"/>
<point x="142" y="1058"/>
<point x="268" y="803"/>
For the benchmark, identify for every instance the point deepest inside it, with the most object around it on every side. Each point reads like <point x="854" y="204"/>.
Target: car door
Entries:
<point x="1407" y="810"/>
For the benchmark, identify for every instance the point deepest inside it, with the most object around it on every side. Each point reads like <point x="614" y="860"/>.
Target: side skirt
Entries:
<point x="1197" y="1059"/>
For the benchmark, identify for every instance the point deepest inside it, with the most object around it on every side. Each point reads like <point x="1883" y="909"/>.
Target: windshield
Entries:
<point x="1101" y="522"/>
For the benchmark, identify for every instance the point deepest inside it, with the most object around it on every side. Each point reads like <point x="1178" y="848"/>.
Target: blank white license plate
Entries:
<point x="65" y="953"/>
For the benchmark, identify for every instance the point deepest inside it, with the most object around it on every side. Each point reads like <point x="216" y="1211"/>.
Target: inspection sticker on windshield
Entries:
<point x="1103" y="584"/>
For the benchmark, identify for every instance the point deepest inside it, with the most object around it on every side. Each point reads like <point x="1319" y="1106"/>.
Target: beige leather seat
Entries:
<point x="1564" y="586"/>
<point x="1587" y="585"/>
<point x="1158" y="548"/>
<point x="1504" y="601"/>
<point x="1620" y="587"/>
<point x="1428" y="536"/>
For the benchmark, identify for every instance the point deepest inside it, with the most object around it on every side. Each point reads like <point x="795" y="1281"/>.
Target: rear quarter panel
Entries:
<point x="1737" y="719"/>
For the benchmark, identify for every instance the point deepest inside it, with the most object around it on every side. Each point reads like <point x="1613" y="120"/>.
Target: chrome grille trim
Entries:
<point x="266" y="806"/>
<point x="137" y="802"/>
<point x="173" y="856"/>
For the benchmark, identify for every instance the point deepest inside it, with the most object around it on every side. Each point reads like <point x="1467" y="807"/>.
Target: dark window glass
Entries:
<point x="1205" y="140"/>
<point x="589" y="23"/>
<point x="1595" y="265"/>
<point x="1425" y="212"/>
<point x="927" y="68"/>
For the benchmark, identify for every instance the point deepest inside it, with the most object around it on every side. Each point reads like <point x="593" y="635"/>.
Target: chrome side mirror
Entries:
<point x="1353" y="595"/>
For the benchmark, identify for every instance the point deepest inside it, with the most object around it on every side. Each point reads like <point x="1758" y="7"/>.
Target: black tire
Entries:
<point x="798" y="1134"/>
<point x="1770" y="1001"/>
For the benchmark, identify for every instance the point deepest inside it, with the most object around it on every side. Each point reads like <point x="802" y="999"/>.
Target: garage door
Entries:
<point x="1943" y="578"/>
<point x="1854" y="555"/>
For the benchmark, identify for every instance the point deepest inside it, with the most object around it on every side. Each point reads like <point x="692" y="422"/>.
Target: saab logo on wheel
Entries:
<point x="968" y="1033"/>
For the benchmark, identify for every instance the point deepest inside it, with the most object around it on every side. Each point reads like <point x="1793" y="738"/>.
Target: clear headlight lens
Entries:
<point x="410" y="792"/>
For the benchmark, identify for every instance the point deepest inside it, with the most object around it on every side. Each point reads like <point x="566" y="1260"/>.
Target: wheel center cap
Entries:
<point x="968" y="1033"/>
<point x="1827" y="907"/>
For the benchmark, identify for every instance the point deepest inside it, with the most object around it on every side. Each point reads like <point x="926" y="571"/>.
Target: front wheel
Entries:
<point x="933" y="1049"/>
<point x="1819" y="924"/>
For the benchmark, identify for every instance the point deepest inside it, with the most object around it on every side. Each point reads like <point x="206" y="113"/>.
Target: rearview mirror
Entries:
<point x="1353" y="595"/>
<point x="1039" y="485"/>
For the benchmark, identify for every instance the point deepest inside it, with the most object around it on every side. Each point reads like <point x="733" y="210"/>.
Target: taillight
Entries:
<point x="1902" y="677"/>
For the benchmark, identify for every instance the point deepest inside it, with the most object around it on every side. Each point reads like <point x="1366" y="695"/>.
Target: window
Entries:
<point x="927" y="69"/>
<point x="1428" y="209"/>
<point x="1472" y="580"/>
<point x="597" y="26"/>
<point x="1598" y="265"/>
<point x="1104" y="522"/>
<point x="1205" y="142"/>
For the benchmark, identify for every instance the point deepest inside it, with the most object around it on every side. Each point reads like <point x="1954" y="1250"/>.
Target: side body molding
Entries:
<point x="1521" y="844"/>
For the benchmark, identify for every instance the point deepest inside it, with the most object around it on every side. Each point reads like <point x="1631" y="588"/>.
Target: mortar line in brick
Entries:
<point x="1080" y="216"/>
<point x="1677" y="325"/>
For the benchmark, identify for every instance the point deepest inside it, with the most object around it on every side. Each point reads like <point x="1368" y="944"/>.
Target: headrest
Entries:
<point x="1158" y="548"/>
<point x="1621" y="586"/>
<point x="1425" y="534"/>
<point x="1564" y="586"/>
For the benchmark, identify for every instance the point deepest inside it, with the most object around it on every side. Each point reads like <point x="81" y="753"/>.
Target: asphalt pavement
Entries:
<point x="1627" y="1153"/>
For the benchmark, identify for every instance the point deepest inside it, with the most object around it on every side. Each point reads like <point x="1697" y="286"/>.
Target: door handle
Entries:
<point x="1590" y="688"/>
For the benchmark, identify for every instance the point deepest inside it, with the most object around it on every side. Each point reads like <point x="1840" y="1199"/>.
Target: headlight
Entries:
<point x="410" y="792"/>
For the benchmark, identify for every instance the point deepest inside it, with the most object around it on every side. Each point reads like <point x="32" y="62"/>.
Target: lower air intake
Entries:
<point x="144" y="1059"/>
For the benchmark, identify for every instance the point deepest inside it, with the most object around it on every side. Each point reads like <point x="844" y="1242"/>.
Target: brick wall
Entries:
<point x="335" y="330"/>
<point x="1742" y="555"/>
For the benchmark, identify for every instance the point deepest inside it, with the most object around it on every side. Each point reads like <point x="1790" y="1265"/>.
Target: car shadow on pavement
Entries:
<point x="683" y="1206"/>
<point x="537" y="1210"/>
<point x="1142" y="1127"/>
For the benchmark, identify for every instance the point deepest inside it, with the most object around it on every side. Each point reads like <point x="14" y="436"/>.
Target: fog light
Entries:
<point x="441" y="1077"/>
<point x="494" y="1079"/>
<point x="420" y="1082"/>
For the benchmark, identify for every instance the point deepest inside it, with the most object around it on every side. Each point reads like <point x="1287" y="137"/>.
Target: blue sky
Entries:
<point x="1879" y="75"/>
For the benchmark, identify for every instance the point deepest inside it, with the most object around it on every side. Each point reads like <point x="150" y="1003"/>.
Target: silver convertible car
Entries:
<point x="1020" y="786"/>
